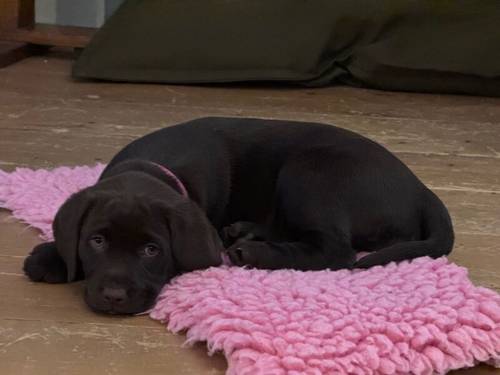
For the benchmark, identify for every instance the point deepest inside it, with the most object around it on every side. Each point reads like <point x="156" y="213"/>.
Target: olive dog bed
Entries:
<point x="410" y="45"/>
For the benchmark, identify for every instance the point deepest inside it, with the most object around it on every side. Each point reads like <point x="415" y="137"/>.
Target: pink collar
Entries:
<point x="224" y="257"/>
<point x="226" y="261"/>
<point x="178" y="182"/>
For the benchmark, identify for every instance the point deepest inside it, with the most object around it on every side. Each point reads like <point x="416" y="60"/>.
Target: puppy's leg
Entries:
<point x="296" y="255"/>
<point x="45" y="264"/>
<point x="309" y="229"/>
<point x="242" y="231"/>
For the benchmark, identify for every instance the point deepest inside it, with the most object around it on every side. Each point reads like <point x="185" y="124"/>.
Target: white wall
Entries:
<point x="89" y="13"/>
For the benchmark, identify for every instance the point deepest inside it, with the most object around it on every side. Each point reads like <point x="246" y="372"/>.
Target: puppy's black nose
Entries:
<point x="114" y="295"/>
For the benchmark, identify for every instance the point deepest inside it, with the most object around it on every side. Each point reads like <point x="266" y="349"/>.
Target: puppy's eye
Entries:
<point x="150" y="250"/>
<point x="97" y="242"/>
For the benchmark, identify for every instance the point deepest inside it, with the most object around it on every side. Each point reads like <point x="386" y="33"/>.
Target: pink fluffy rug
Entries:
<point x="34" y="196"/>
<point x="420" y="317"/>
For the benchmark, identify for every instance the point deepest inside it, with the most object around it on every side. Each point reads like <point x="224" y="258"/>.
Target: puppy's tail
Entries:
<point x="437" y="234"/>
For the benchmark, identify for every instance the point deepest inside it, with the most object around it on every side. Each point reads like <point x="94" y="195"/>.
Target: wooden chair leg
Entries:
<point x="26" y="13"/>
<point x="26" y="38"/>
<point x="16" y="13"/>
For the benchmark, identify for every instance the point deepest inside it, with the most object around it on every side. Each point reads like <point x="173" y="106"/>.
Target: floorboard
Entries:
<point x="46" y="119"/>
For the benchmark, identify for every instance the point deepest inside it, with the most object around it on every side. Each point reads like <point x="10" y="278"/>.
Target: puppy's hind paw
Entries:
<point x="44" y="264"/>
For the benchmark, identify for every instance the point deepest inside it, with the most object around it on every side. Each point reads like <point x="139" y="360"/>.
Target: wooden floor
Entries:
<point x="452" y="143"/>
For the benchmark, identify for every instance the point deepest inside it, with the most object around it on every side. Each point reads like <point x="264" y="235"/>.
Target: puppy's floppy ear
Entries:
<point x="195" y="242"/>
<point x="67" y="225"/>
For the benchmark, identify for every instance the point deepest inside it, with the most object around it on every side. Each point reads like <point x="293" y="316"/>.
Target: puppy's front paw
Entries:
<point x="249" y="253"/>
<point x="45" y="264"/>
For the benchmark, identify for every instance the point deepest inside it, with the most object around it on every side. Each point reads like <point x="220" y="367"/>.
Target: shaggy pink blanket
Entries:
<point x="419" y="317"/>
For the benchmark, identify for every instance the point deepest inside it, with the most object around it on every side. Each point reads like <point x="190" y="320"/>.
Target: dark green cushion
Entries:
<point x="421" y="45"/>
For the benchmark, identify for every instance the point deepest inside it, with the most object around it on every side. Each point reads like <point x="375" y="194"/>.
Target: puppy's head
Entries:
<point x="128" y="245"/>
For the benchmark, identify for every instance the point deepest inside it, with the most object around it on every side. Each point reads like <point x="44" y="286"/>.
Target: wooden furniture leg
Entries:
<point x="17" y="24"/>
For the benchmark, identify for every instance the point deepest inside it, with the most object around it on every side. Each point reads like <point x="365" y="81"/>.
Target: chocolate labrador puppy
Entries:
<point x="264" y="193"/>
